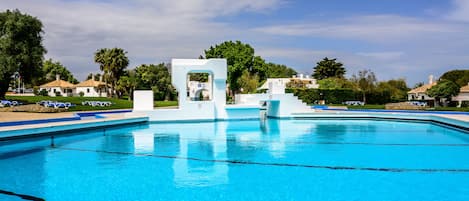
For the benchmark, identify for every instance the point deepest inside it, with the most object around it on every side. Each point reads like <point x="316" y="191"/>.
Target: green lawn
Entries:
<point x="165" y="103"/>
<point x="462" y="109"/>
<point x="116" y="103"/>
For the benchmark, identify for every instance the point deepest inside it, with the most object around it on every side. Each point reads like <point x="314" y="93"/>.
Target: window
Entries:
<point x="88" y="90"/>
<point x="54" y="90"/>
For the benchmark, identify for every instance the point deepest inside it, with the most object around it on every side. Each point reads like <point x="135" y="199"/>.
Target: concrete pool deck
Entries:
<point x="21" y="131"/>
<point x="454" y="120"/>
<point x="21" y="116"/>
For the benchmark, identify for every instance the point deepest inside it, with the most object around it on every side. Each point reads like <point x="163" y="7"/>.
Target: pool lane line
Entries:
<point x="311" y="142"/>
<point x="272" y="164"/>
<point x="22" y="196"/>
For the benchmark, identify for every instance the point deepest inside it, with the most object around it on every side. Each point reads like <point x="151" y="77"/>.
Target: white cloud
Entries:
<point x="156" y="31"/>
<point x="151" y="31"/>
<point x="372" y="28"/>
<point x="382" y="55"/>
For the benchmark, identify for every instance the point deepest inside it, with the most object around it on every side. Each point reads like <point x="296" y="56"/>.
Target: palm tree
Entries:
<point x="113" y="63"/>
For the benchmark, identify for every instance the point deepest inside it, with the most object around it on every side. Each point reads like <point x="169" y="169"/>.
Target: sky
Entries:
<point x="393" y="38"/>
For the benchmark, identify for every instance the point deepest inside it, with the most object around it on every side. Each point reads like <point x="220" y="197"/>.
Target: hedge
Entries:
<point x="338" y="96"/>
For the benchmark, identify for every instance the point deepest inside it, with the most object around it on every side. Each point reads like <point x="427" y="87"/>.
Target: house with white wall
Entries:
<point x="92" y="88"/>
<point x="303" y="80"/>
<point x="420" y="93"/>
<point x="58" y="87"/>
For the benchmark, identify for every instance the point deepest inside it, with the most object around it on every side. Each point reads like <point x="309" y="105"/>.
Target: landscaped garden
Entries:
<point x="77" y="102"/>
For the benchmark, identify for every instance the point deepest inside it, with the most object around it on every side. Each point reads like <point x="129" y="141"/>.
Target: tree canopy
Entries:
<point x="365" y="80"/>
<point x="112" y="62"/>
<point x="336" y="83"/>
<point x="396" y="87"/>
<point x="278" y="71"/>
<point x="444" y="89"/>
<point x="96" y="76"/>
<point x="328" y="68"/>
<point x="21" y="48"/>
<point x="157" y="78"/>
<point x="127" y="83"/>
<point x="52" y="68"/>
<point x="460" y="77"/>
<point x="239" y="57"/>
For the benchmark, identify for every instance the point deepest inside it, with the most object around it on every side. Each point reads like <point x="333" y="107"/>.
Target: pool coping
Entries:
<point x="440" y="119"/>
<point x="36" y="130"/>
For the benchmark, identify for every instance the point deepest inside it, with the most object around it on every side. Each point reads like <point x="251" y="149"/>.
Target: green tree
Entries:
<point x="21" y="48"/>
<point x="157" y="78"/>
<point x="50" y="69"/>
<point x="96" y="76"/>
<point x="112" y="62"/>
<point x="278" y="71"/>
<point x="460" y="77"/>
<point x="444" y="89"/>
<point x="201" y="77"/>
<point x="239" y="57"/>
<point x="396" y="87"/>
<point x="418" y="84"/>
<point x="336" y="83"/>
<point x="365" y="81"/>
<point x="248" y="82"/>
<point x="127" y="83"/>
<point x="328" y="68"/>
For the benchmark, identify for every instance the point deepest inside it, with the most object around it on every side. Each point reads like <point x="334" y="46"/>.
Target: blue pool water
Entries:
<point x="242" y="160"/>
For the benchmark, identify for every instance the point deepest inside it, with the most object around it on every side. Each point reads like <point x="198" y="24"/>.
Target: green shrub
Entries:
<point x="43" y="92"/>
<point x="81" y="93"/>
<point x="338" y="96"/>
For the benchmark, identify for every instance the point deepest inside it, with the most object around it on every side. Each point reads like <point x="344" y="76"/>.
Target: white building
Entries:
<point x="92" y="88"/>
<point x="58" y="87"/>
<point x="301" y="81"/>
<point x="420" y="93"/>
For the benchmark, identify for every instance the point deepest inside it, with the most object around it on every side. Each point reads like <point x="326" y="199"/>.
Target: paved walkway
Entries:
<point x="21" y="116"/>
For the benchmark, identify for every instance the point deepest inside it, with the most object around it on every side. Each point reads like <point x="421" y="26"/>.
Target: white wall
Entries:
<point x="143" y="100"/>
<point x="51" y="93"/>
<point x="92" y="92"/>
<point x="189" y="110"/>
<point x="463" y="96"/>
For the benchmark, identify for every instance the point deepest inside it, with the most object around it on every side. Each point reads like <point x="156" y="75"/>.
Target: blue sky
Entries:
<point x="393" y="38"/>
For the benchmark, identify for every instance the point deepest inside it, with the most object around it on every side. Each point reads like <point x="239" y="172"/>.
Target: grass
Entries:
<point x="165" y="103"/>
<point x="116" y="103"/>
<point x="461" y="109"/>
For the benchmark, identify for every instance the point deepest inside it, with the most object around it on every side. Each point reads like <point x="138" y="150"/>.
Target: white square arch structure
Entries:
<point x="189" y="110"/>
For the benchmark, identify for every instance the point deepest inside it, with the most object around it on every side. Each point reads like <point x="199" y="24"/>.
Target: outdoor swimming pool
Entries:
<point x="242" y="160"/>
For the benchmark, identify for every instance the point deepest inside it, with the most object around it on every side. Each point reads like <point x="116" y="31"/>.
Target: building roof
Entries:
<point x="422" y="89"/>
<point x="58" y="83"/>
<point x="90" y="83"/>
<point x="464" y="89"/>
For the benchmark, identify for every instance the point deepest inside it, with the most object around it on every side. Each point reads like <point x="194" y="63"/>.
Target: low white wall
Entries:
<point x="143" y="100"/>
<point x="200" y="110"/>
<point x="250" y="99"/>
